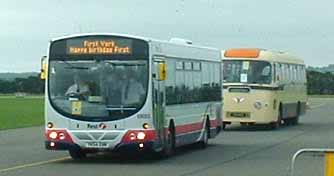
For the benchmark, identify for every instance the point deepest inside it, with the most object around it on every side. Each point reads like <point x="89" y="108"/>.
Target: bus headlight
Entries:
<point x="258" y="105"/>
<point x="61" y="136"/>
<point x="53" y="135"/>
<point x="132" y="136"/>
<point x="146" y="126"/>
<point x="141" y="135"/>
<point x="50" y="125"/>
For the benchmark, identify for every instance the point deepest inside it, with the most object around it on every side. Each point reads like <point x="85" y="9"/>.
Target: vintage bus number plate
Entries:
<point x="97" y="145"/>
<point x="239" y="114"/>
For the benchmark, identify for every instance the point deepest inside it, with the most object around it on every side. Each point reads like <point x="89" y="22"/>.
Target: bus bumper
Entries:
<point x="50" y="145"/>
<point x="147" y="146"/>
<point x="120" y="148"/>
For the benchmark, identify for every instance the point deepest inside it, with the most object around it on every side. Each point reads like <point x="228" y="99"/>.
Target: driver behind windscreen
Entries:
<point x="79" y="89"/>
<point x="133" y="89"/>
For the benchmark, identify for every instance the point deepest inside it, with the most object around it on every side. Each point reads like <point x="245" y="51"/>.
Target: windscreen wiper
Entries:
<point x="71" y="66"/>
<point x="119" y="108"/>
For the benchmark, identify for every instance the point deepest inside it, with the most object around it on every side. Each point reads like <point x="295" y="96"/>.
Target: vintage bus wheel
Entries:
<point x="77" y="154"/>
<point x="277" y="124"/>
<point x="295" y="120"/>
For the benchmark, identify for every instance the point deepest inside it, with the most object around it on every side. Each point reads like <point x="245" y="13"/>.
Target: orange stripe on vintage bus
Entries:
<point x="243" y="52"/>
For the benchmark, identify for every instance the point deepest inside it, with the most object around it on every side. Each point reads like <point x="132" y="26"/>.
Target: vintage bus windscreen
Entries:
<point x="89" y="77"/>
<point x="248" y="72"/>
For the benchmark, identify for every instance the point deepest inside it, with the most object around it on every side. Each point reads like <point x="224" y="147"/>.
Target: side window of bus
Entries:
<point x="304" y="74"/>
<point x="289" y="74"/>
<point x="295" y="71"/>
<point x="292" y="69"/>
<point x="285" y="73"/>
<point x="278" y="76"/>
<point x="170" y="82"/>
<point x="280" y="73"/>
<point x="299" y="75"/>
<point x="180" y="83"/>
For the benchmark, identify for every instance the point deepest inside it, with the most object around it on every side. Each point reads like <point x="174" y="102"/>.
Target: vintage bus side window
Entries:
<point x="300" y="75"/>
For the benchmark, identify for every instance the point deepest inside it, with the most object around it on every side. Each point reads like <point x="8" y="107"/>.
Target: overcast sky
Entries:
<point x="302" y="27"/>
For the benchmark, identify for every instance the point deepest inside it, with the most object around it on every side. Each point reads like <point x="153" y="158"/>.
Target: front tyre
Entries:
<point x="205" y="139"/>
<point x="169" y="148"/>
<point x="77" y="154"/>
<point x="278" y="123"/>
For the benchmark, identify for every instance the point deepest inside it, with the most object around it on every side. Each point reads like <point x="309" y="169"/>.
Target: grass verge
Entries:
<point x="21" y="112"/>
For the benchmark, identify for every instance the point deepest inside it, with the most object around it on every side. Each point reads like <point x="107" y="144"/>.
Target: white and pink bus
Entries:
<point x="115" y="92"/>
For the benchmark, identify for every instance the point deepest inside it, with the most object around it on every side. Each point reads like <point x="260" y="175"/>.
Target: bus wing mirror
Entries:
<point x="44" y="68"/>
<point x="162" y="71"/>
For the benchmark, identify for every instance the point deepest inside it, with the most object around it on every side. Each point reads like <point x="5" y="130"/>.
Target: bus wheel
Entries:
<point x="224" y="126"/>
<point x="169" y="149"/>
<point x="205" y="139"/>
<point x="77" y="154"/>
<point x="277" y="124"/>
<point x="295" y="120"/>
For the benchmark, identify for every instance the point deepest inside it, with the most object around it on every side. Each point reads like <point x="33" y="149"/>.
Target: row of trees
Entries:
<point x="320" y="83"/>
<point x="30" y="85"/>
<point x="317" y="83"/>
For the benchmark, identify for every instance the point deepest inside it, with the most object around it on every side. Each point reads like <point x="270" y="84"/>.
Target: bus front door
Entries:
<point x="159" y="99"/>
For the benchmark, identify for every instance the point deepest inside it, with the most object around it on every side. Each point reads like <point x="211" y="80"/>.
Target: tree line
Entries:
<point x="317" y="84"/>
<point x="29" y="85"/>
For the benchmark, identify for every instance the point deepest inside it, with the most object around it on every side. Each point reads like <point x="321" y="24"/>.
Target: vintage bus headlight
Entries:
<point x="258" y="105"/>
<point x="53" y="135"/>
<point x="141" y="135"/>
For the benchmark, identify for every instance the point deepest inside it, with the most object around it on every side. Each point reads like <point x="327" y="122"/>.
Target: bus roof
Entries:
<point x="95" y="34"/>
<point x="133" y="37"/>
<point x="260" y="54"/>
<point x="170" y="48"/>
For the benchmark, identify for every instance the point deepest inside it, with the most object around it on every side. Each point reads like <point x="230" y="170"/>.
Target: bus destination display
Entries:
<point x="99" y="46"/>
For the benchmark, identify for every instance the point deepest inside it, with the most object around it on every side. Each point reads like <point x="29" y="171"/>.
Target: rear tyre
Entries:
<point x="224" y="126"/>
<point x="77" y="154"/>
<point x="295" y="120"/>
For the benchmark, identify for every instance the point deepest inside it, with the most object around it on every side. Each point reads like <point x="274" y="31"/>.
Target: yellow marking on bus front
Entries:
<point x="33" y="164"/>
<point x="329" y="164"/>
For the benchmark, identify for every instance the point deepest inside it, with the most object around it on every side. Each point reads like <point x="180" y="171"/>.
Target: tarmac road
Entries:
<point x="248" y="151"/>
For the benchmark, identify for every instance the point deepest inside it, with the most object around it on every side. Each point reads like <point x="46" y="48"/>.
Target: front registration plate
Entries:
<point x="97" y="145"/>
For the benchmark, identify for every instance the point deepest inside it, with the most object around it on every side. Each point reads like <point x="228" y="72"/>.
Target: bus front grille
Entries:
<point x="93" y="136"/>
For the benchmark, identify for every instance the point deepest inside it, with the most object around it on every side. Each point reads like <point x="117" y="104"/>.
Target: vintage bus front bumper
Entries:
<point x="250" y="116"/>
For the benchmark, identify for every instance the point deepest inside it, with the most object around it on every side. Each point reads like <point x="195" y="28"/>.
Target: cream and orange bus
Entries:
<point x="263" y="87"/>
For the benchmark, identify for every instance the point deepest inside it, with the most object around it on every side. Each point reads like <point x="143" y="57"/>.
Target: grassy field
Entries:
<point x="21" y="112"/>
<point x="28" y="111"/>
<point x="321" y="96"/>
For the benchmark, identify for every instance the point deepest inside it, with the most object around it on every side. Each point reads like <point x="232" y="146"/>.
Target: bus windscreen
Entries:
<point x="248" y="72"/>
